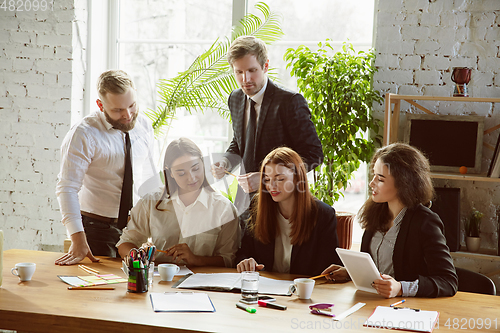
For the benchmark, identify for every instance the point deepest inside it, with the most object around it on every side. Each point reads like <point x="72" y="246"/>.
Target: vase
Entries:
<point x="473" y="243"/>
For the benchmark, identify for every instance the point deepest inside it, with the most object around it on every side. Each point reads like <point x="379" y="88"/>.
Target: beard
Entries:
<point x="120" y="126"/>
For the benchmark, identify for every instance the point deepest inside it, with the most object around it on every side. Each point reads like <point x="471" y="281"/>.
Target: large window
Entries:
<point x="159" y="38"/>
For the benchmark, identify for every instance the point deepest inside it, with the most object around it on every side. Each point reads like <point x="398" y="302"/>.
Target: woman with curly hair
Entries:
<point x="404" y="237"/>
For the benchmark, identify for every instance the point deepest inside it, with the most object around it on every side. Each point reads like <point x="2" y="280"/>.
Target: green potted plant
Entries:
<point x="209" y="80"/>
<point x="338" y="87"/>
<point x="473" y="230"/>
<point x="339" y="90"/>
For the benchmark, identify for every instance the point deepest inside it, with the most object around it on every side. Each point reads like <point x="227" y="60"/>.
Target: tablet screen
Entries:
<point x="361" y="268"/>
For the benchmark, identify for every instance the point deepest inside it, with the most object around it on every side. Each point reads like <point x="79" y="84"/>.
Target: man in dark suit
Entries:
<point x="264" y="117"/>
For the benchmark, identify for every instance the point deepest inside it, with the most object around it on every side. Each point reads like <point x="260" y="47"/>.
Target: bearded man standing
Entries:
<point x="105" y="158"/>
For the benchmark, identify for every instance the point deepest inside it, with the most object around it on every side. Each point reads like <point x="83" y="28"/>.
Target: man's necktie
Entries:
<point x="249" y="152"/>
<point x="126" y="196"/>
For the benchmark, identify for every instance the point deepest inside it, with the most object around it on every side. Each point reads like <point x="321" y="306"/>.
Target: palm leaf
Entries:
<point x="208" y="81"/>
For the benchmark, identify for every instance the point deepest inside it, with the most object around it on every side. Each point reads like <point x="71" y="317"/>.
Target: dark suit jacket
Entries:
<point x="421" y="253"/>
<point x="284" y="120"/>
<point x="311" y="257"/>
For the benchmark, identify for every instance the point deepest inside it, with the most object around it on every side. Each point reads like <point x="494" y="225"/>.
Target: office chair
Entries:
<point x="344" y="229"/>
<point x="473" y="282"/>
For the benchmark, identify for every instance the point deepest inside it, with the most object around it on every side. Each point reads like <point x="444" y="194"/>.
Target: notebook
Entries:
<point x="406" y="319"/>
<point x="232" y="282"/>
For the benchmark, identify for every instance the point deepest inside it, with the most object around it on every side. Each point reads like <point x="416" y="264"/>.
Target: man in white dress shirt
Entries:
<point x="93" y="165"/>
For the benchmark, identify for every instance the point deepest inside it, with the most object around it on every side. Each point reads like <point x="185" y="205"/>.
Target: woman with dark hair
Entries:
<point x="189" y="220"/>
<point x="289" y="231"/>
<point x="404" y="237"/>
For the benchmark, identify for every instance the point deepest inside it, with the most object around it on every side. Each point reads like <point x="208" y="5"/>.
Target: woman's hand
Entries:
<point x="183" y="252"/>
<point x="249" y="182"/>
<point x="249" y="265"/>
<point x="388" y="286"/>
<point x="336" y="273"/>
<point x="149" y="244"/>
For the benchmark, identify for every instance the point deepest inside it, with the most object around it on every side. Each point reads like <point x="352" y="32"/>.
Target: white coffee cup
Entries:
<point x="24" y="270"/>
<point x="302" y="287"/>
<point x="167" y="271"/>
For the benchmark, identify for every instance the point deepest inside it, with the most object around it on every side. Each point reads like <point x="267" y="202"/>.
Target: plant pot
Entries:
<point x="344" y="229"/>
<point x="473" y="243"/>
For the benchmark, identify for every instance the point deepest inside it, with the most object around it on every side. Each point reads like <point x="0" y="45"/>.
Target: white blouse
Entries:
<point x="209" y="226"/>
<point x="282" y="246"/>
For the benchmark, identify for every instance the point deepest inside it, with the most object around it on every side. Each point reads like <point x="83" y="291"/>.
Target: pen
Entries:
<point x="229" y="173"/>
<point x="246" y="308"/>
<point x="91" y="288"/>
<point x="397" y="303"/>
<point x="319" y="276"/>
<point x="272" y="305"/>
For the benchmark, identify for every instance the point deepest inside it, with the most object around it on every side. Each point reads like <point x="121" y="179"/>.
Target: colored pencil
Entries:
<point x="229" y="173"/>
<point x="319" y="276"/>
<point x="88" y="269"/>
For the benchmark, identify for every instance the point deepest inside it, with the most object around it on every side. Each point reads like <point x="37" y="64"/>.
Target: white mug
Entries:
<point x="167" y="271"/>
<point x="302" y="287"/>
<point x="24" y="270"/>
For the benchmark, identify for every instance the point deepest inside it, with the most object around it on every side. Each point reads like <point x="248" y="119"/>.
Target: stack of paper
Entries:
<point x="91" y="280"/>
<point x="181" y="302"/>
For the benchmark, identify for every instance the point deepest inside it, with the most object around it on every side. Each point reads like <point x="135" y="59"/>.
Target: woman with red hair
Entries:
<point x="289" y="230"/>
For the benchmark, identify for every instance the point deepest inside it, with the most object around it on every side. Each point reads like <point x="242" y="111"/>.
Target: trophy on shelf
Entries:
<point x="461" y="77"/>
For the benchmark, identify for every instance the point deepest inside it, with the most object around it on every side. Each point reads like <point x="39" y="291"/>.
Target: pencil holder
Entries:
<point x="137" y="280"/>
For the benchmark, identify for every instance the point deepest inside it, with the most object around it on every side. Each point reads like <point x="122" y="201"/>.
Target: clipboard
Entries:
<point x="181" y="302"/>
<point x="406" y="319"/>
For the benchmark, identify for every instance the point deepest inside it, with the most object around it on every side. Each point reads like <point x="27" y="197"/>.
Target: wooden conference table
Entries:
<point x="44" y="304"/>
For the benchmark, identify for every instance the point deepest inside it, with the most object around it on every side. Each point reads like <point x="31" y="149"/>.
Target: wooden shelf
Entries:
<point x="485" y="254"/>
<point x="448" y="99"/>
<point x="391" y="116"/>
<point x="468" y="177"/>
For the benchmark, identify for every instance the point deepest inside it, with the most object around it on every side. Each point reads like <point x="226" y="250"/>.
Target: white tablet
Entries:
<point x="361" y="268"/>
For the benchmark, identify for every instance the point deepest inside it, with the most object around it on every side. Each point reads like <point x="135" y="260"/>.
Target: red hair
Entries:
<point x="264" y="213"/>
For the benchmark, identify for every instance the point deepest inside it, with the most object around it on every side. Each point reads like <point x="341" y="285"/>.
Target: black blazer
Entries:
<point x="421" y="253"/>
<point x="311" y="257"/>
<point x="284" y="120"/>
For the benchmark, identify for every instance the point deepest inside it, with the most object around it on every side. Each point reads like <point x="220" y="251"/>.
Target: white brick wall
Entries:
<point x="436" y="36"/>
<point x="38" y="69"/>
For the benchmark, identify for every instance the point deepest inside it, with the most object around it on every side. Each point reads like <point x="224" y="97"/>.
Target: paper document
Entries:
<point x="91" y="280"/>
<point x="349" y="311"/>
<point x="402" y="319"/>
<point x="232" y="281"/>
<point x="181" y="302"/>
